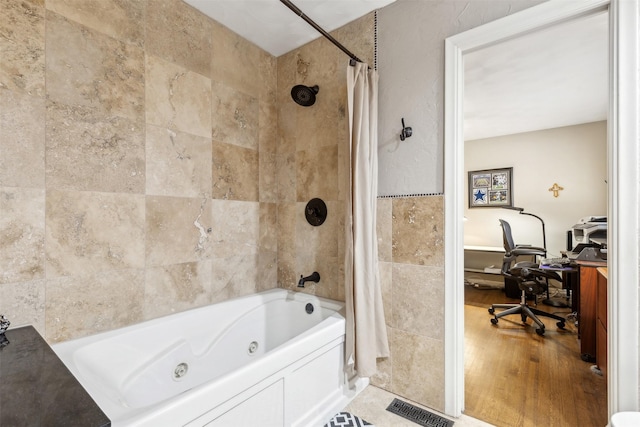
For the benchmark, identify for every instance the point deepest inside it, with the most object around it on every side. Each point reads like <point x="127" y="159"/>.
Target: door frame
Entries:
<point x="623" y="188"/>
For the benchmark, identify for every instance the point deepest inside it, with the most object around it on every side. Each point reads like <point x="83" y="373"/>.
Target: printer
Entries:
<point x="590" y="231"/>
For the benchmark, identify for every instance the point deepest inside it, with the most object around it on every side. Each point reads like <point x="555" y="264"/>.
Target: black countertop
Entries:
<point x="37" y="389"/>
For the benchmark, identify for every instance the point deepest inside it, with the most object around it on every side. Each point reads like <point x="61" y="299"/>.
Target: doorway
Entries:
<point x="532" y="114"/>
<point x="622" y="190"/>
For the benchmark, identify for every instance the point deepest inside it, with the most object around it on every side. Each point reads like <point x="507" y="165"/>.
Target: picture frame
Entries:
<point x="491" y="188"/>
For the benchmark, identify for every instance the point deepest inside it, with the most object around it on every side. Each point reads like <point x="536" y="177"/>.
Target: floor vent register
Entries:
<point x="418" y="415"/>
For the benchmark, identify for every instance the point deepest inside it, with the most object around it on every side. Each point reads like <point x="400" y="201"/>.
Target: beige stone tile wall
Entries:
<point x="411" y="254"/>
<point x="138" y="163"/>
<point x="311" y="158"/>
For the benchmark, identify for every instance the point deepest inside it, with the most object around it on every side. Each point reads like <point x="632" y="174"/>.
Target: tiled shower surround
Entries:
<point x="152" y="161"/>
<point x="137" y="170"/>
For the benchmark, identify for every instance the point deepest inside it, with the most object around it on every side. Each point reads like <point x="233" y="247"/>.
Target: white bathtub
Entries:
<point x="256" y="360"/>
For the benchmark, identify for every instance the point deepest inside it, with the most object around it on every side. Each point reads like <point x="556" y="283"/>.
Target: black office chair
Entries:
<point x="514" y="251"/>
<point x="511" y="249"/>
<point x="529" y="278"/>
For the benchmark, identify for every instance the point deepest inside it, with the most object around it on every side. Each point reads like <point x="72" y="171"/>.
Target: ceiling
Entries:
<point x="550" y="78"/>
<point x="275" y="28"/>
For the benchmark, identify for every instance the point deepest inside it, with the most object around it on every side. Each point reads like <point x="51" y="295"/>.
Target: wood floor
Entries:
<point x="513" y="377"/>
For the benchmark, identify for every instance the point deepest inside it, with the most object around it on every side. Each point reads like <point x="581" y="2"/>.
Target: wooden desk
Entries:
<point x="588" y="296"/>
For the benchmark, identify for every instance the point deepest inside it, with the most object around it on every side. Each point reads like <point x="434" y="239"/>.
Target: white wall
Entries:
<point x="411" y="37"/>
<point x="575" y="157"/>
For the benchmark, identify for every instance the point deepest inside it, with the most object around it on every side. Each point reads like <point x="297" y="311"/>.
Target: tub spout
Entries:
<point x="315" y="277"/>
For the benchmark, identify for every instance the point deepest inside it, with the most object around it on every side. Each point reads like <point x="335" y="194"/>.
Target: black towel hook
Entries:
<point x="406" y="131"/>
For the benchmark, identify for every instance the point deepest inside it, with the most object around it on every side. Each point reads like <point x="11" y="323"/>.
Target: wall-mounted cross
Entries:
<point x="556" y="189"/>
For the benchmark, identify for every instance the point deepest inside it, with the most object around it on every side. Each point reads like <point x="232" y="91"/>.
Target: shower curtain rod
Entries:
<point x="320" y="29"/>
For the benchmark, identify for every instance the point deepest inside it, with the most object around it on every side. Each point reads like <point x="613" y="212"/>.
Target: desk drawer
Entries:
<point x="587" y="313"/>
<point x="601" y="309"/>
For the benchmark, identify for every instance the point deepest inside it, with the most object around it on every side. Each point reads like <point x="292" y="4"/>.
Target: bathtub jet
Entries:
<point x="314" y="277"/>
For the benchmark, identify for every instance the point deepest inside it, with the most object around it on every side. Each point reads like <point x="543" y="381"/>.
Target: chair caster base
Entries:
<point x="491" y="310"/>
<point x="540" y="331"/>
<point x="494" y="321"/>
<point x="560" y="325"/>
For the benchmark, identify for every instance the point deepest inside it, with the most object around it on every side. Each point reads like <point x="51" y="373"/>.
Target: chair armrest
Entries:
<point x="528" y="250"/>
<point x="529" y="247"/>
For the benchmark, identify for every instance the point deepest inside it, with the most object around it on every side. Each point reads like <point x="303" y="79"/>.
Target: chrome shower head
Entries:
<point x="304" y="95"/>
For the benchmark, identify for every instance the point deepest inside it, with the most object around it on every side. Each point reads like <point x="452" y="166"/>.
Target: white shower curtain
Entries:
<point x="366" y="337"/>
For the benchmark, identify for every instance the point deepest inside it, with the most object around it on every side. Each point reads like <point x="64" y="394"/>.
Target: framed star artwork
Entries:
<point x="490" y="188"/>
